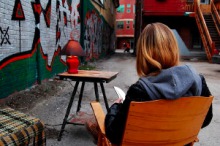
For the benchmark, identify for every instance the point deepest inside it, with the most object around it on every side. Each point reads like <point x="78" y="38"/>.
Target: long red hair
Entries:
<point x="157" y="49"/>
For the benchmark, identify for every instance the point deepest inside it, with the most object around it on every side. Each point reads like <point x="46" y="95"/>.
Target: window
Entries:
<point x="121" y="9"/>
<point x="204" y="1"/>
<point x="133" y="8"/>
<point x="128" y="10"/>
<point x="120" y="25"/>
<point x="102" y="1"/>
<point x="128" y="5"/>
<point x="112" y="8"/>
<point x="128" y="27"/>
<point x="127" y="22"/>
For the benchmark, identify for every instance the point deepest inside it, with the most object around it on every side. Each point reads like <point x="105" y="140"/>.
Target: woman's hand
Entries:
<point x="119" y="100"/>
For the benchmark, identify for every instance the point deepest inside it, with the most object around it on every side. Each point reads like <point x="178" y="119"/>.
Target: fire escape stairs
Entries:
<point x="213" y="32"/>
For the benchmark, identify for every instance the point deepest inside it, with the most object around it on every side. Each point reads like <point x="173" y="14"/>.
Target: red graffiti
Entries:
<point x="37" y="8"/>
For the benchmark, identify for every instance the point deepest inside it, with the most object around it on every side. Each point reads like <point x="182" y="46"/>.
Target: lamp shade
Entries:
<point x="72" y="48"/>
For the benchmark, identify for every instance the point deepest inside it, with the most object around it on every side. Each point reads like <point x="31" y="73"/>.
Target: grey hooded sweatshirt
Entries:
<point x="172" y="83"/>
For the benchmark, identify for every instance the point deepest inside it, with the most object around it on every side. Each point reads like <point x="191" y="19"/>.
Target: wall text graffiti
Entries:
<point x="4" y="36"/>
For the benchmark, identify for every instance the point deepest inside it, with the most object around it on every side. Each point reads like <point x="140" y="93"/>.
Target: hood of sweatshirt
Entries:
<point x="172" y="83"/>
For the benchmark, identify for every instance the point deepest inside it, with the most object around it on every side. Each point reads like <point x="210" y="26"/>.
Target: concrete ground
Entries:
<point x="52" y="110"/>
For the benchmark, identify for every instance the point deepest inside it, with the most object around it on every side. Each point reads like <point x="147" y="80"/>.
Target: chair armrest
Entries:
<point x="99" y="115"/>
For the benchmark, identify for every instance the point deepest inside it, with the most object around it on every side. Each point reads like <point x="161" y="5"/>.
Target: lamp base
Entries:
<point x="72" y="64"/>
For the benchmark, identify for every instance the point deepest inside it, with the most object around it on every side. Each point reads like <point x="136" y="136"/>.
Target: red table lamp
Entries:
<point x="72" y="50"/>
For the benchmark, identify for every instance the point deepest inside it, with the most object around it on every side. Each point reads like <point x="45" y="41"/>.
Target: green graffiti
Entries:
<point x="22" y="74"/>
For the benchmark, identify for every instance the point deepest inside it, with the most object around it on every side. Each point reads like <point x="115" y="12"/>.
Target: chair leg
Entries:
<point x="99" y="140"/>
<point x="103" y="141"/>
<point x="192" y="143"/>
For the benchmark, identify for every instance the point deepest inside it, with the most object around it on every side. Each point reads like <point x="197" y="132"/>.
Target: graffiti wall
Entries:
<point x="32" y="33"/>
<point x="98" y="36"/>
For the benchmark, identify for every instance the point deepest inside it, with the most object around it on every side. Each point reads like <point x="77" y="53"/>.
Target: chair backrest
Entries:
<point x="165" y="122"/>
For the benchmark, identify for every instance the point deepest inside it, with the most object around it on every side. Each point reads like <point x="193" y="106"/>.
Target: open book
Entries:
<point x="120" y="92"/>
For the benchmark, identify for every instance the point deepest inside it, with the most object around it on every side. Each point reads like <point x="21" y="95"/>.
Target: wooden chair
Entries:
<point x="160" y="122"/>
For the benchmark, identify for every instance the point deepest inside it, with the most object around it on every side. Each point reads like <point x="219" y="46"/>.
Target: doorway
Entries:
<point x="204" y="1"/>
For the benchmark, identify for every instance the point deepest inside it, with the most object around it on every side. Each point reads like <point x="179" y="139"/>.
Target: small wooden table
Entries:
<point x="85" y="76"/>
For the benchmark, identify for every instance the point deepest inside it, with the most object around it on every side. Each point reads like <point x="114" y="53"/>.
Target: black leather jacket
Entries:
<point x="116" y="116"/>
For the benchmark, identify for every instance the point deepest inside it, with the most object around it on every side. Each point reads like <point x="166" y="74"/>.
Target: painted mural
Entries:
<point x="34" y="35"/>
<point x="98" y="35"/>
<point x="4" y="36"/>
<point x="92" y="35"/>
<point x="18" y="14"/>
<point x="22" y="69"/>
<point x="75" y="20"/>
<point x="47" y="13"/>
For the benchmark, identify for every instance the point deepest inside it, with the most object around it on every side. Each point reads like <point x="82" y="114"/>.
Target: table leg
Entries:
<point x="80" y="97"/>
<point x="96" y="91"/>
<point x="104" y="96"/>
<point x="68" y="110"/>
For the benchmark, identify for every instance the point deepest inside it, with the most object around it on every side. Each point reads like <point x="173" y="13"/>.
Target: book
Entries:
<point x="120" y="92"/>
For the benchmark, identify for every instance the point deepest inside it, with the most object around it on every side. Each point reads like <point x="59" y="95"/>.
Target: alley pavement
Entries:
<point x="52" y="110"/>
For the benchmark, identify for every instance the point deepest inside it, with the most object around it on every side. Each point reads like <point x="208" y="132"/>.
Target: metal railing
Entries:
<point x="215" y="16"/>
<point x="205" y="35"/>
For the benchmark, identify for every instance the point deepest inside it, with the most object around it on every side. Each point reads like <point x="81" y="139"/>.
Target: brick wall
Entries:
<point x="26" y="34"/>
<point x="32" y="34"/>
<point x="30" y="53"/>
